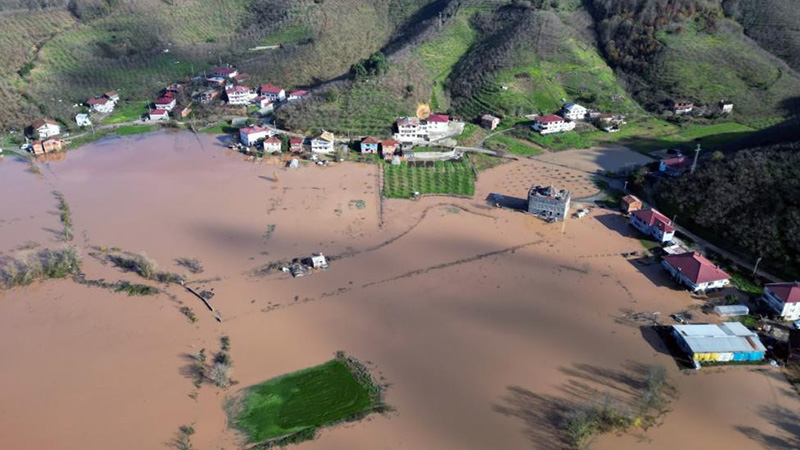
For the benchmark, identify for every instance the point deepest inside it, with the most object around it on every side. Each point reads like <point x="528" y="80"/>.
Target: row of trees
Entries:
<point x="749" y="199"/>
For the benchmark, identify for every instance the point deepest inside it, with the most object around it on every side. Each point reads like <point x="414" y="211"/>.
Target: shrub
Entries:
<point x="27" y="267"/>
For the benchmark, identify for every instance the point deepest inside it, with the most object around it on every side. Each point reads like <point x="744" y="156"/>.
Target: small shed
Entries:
<point x="489" y="121"/>
<point x="630" y="203"/>
<point x="318" y="261"/>
<point x="731" y="310"/>
<point x="294" y="163"/>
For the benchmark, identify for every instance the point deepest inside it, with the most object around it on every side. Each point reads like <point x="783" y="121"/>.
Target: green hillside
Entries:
<point x="508" y="57"/>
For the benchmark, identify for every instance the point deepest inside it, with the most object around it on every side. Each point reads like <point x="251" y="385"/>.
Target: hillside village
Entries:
<point x="735" y="309"/>
<point x="259" y="136"/>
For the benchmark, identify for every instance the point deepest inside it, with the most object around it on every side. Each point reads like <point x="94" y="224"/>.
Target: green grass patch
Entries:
<point x="483" y="162"/>
<point x="220" y="128"/>
<point x="289" y="35"/>
<point x="648" y="244"/>
<point x="127" y="111"/>
<point x="297" y="404"/>
<point x="127" y="130"/>
<point x="745" y="283"/>
<point x="511" y="144"/>
<point x="443" y="177"/>
<point x="561" y="141"/>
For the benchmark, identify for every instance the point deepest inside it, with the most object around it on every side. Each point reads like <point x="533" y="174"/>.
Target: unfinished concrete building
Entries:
<point x="548" y="202"/>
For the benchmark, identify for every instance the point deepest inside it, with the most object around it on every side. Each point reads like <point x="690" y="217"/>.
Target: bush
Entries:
<point x="26" y="267"/>
<point x="144" y="267"/>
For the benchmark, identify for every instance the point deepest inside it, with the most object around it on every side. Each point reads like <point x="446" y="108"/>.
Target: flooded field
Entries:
<point x="483" y="322"/>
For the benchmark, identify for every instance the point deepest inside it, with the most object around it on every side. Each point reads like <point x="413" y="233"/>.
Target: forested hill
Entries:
<point x="749" y="199"/>
<point x="509" y="57"/>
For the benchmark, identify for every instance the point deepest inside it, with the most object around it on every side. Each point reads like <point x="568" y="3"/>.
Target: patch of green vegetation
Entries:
<point x="366" y="108"/>
<point x="745" y="282"/>
<point x="127" y="130"/>
<point x="559" y="141"/>
<point x="290" y="35"/>
<point x="220" y="128"/>
<point x="127" y="111"/>
<point x="124" y="130"/>
<point x="470" y="130"/>
<point x="649" y="244"/>
<point x="483" y="162"/>
<point x="26" y="267"/>
<point x="653" y="135"/>
<point x="134" y="289"/>
<point x="441" y="53"/>
<point x="443" y="177"/>
<point x="297" y="404"/>
<point x="506" y="143"/>
<point x="750" y="321"/>
<point x="707" y="66"/>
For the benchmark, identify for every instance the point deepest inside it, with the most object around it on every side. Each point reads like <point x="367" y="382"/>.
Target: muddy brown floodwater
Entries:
<point x="482" y="321"/>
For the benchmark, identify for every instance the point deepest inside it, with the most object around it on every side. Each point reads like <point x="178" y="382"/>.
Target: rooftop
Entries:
<point x="164" y="101"/>
<point x="549" y="192"/>
<point x="253" y="129"/>
<point x="443" y="118"/>
<point x="654" y="218"/>
<point x="787" y="292"/>
<point x="270" y="89"/>
<point x="629" y="199"/>
<point x="42" y="122"/>
<point x="158" y="112"/>
<point x="371" y="140"/>
<point x="552" y="118"/>
<point x="725" y="338"/>
<point x="696" y="267"/>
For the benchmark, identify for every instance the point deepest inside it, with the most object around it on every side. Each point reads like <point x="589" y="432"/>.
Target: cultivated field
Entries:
<point x="434" y="177"/>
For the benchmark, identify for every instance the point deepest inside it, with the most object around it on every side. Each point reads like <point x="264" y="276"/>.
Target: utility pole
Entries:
<point x="696" y="155"/>
<point x="625" y="187"/>
<point x="440" y="20"/>
<point x="755" y="268"/>
<point x="674" y="220"/>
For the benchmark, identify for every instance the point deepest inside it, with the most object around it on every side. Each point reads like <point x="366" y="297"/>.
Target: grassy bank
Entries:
<point x="443" y="177"/>
<point x="26" y="267"/>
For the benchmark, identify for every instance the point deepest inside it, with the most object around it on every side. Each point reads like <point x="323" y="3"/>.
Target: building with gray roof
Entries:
<point x="730" y="341"/>
<point x="548" y="202"/>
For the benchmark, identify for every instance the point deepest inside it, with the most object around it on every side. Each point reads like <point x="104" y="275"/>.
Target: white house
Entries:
<point x="410" y="129"/>
<point x="272" y="145"/>
<point x="240" y="95"/>
<point x="323" y="143"/>
<point x="159" y="114"/>
<point x="265" y="103"/>
<point x="725" y="107"/>
<point x="44" y="128"/>
<point x="552" y="124"/>
<point x="100" y="104"/>
<point x="573" y="111"/>
<point x="83" y="120"/>
<point x="784" y="298"/>
<point x="694" y="271"/>
<point x="224" y="72"/>
<point x="682" y="107"/>
<point x="165" y="103"/>
<point x="112" y="96"/>
<point x="653" y="223"/>
<point x="297" y="95"/>
<point x="252" y="134"/>
<point x="437" y="124"/>
<point x="273" y="93"/>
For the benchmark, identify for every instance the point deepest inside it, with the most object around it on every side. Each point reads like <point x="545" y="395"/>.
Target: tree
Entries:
<point x="409" y="90"/>
<point x="332" y="95"/>
<point x="717" y="156"/>
<point x="377" y="64"/>
<point x="358" y="71"/>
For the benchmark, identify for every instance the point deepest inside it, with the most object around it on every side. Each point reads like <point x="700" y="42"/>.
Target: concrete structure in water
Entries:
<point x="730" y="341"/>
<point x="548" y="202"/>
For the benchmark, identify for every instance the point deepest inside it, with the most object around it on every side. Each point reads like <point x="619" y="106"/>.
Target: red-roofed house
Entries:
<point x="682" y="107"/>
<point x="675" y="166"/>
<point x="389" y="148"/>
<point x="100" y="104"/>
<point x="273" y="93"/>
<point x="370" y="145"/>
<point x="437" y="123"/>
<point x="653" y="223"/>
<point x="297" y="95"/>
<point x="272" y="145"/>
<point x="239" y="95"/>
<point x="249" y="136"/>
<point x="784" y="298"/>
<point x="296" y="144"/>
<point x="552" y="124"/>
<point x="695" y="271"/>
<point x="159" y="114"/>
<point x="165" y="103"/>
<point x="224" y="72"/>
